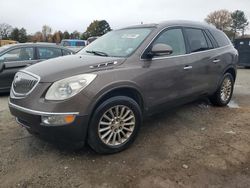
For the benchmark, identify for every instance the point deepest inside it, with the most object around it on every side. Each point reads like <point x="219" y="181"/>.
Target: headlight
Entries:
<point x="68" y="87"/>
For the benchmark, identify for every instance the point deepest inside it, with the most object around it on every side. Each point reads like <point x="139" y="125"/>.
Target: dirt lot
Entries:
<point x="196" y="145"/>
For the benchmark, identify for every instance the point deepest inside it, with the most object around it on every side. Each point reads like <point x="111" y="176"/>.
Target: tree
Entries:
<point x="97" y="28"/>
<point x="66" y="35"/>
<point x="38" y="37"/>
<point x="60" y="34"/>
<point x="75" y="35"/>
<point x="19" y="35"/>
<point x="46" y="30"/>
<point x="15" y="34"/>
<point x="56" y="37"/>
<point x="5" y="31"/>
<point x="22" y="37"/>
<point x="221" y="19"/>
<point x="239" y="22"/>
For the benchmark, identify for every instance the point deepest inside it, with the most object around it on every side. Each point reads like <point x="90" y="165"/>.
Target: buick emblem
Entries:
<point x="16" y="80"/>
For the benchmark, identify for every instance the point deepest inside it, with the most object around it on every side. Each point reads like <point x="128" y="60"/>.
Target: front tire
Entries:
<point x="114" y="125"/>
<point x="224" y="93"/>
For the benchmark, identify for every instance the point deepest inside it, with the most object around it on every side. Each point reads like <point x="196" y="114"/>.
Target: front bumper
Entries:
<point x="74" y="132"/>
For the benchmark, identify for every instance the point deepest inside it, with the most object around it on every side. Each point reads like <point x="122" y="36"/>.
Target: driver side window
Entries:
<point x="173" y="38"/>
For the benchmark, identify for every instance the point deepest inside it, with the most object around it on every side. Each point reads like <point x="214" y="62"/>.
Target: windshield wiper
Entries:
<point x="97" y="53"/>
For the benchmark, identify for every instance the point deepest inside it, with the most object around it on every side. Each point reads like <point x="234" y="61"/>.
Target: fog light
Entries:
<point x="58" y="119"/>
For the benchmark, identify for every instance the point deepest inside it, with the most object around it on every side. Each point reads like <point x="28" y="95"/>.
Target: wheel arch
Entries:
<point x="125" y="90"/>
<point x="232" y="71"/>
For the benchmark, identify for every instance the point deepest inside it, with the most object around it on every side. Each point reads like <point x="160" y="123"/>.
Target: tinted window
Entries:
<point x="47" y="53"/>
<point x="80" y="43"/>
<point x="196" y="40"/>
<point x="220" y="37"/>
<point x="173" y="38"/>
<point x="20" y="54"/>
<point x="65" y="52"/>
<point x="210" y="45"/>
<point x="66" y="43"/>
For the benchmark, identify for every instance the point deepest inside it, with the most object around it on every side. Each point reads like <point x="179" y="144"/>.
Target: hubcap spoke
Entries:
<point x="106" y="134"/>
<point x="116" y="125"/>
<point x="104" y="129"/>
<point x="109" y="138"/>
<point x="105" y="123"/>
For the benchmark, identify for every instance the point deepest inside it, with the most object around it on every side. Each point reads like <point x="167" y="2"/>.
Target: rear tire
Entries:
<point x="114" y="125"/>
<point x="224" y="93"/>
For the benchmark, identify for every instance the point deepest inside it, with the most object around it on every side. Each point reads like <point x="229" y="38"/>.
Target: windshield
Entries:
<point x="119" y="43"/>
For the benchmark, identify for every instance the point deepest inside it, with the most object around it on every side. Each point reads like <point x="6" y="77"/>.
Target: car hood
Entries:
<point x="62" y="67"/>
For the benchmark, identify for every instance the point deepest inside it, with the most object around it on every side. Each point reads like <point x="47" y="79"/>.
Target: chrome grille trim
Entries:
<point x="40" y="113"/>
<point x="17" y="95"/>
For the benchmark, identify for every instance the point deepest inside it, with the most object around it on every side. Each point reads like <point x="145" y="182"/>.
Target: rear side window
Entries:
<point x="48" y="53"/>
<point x="197" y="40"/>
<point x="210" y="45"/>
<point x="220" y="37"/>
<point x="173" y="38"/>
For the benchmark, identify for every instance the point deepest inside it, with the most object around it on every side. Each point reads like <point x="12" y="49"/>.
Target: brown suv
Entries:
<point x="101" y="94"/>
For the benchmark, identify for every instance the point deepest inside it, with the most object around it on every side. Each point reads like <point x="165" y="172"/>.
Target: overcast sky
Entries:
<point x="77" y="14"/>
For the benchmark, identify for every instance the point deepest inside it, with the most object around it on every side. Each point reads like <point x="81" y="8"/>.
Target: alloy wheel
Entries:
<point x="116" y="125"/>
<point x="226" y="89"/>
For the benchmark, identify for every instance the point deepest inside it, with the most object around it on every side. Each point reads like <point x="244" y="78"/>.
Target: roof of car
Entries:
<point x="175" y="23"/>
<point x="36" y="44"/>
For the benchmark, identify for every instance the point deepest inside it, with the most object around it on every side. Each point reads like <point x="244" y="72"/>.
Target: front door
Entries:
<point x="13" y="61"/>
<point x="169" y="77"/>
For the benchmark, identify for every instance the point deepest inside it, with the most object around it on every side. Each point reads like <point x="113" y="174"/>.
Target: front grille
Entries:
<point x="24" y="83"/>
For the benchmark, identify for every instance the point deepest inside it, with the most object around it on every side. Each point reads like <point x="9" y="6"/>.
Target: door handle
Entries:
<point x="187" y="67"/>
<point x="216" y="61"/>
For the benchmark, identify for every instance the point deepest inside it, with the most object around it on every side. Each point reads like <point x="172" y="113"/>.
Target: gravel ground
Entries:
<point x="196" y="145"/>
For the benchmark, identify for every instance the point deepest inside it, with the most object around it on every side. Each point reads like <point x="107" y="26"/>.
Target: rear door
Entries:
<point x="14" y="60"/>
<point x="201" y="57"/>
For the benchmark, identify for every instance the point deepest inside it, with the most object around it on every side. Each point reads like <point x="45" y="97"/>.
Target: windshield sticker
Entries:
<point x="130" y="36"/>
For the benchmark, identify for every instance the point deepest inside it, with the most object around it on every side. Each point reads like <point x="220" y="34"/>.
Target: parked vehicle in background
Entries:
<point x="6" y="42"/>
<point x="16" y="56"/>
<point x="91" y="39"/>
<point x="101" y="94"/>
<point x="73" y="44"/>
<point x="243" y="47"/>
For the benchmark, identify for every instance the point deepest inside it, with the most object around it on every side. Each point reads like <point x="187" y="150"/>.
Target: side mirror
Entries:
<point x="160" y="49"/>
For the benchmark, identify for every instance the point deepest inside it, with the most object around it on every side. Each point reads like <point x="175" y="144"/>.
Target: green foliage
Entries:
<point x="75" y="35"/>
<point x="15" y="34"/>
<point x="19" y="35"/>
<point x="230" y="23"/>
<point x="66" y="35"/>
<point x="240" y="22"/>
<point x="96" y="28"/>
<point x="22" y="35"/>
